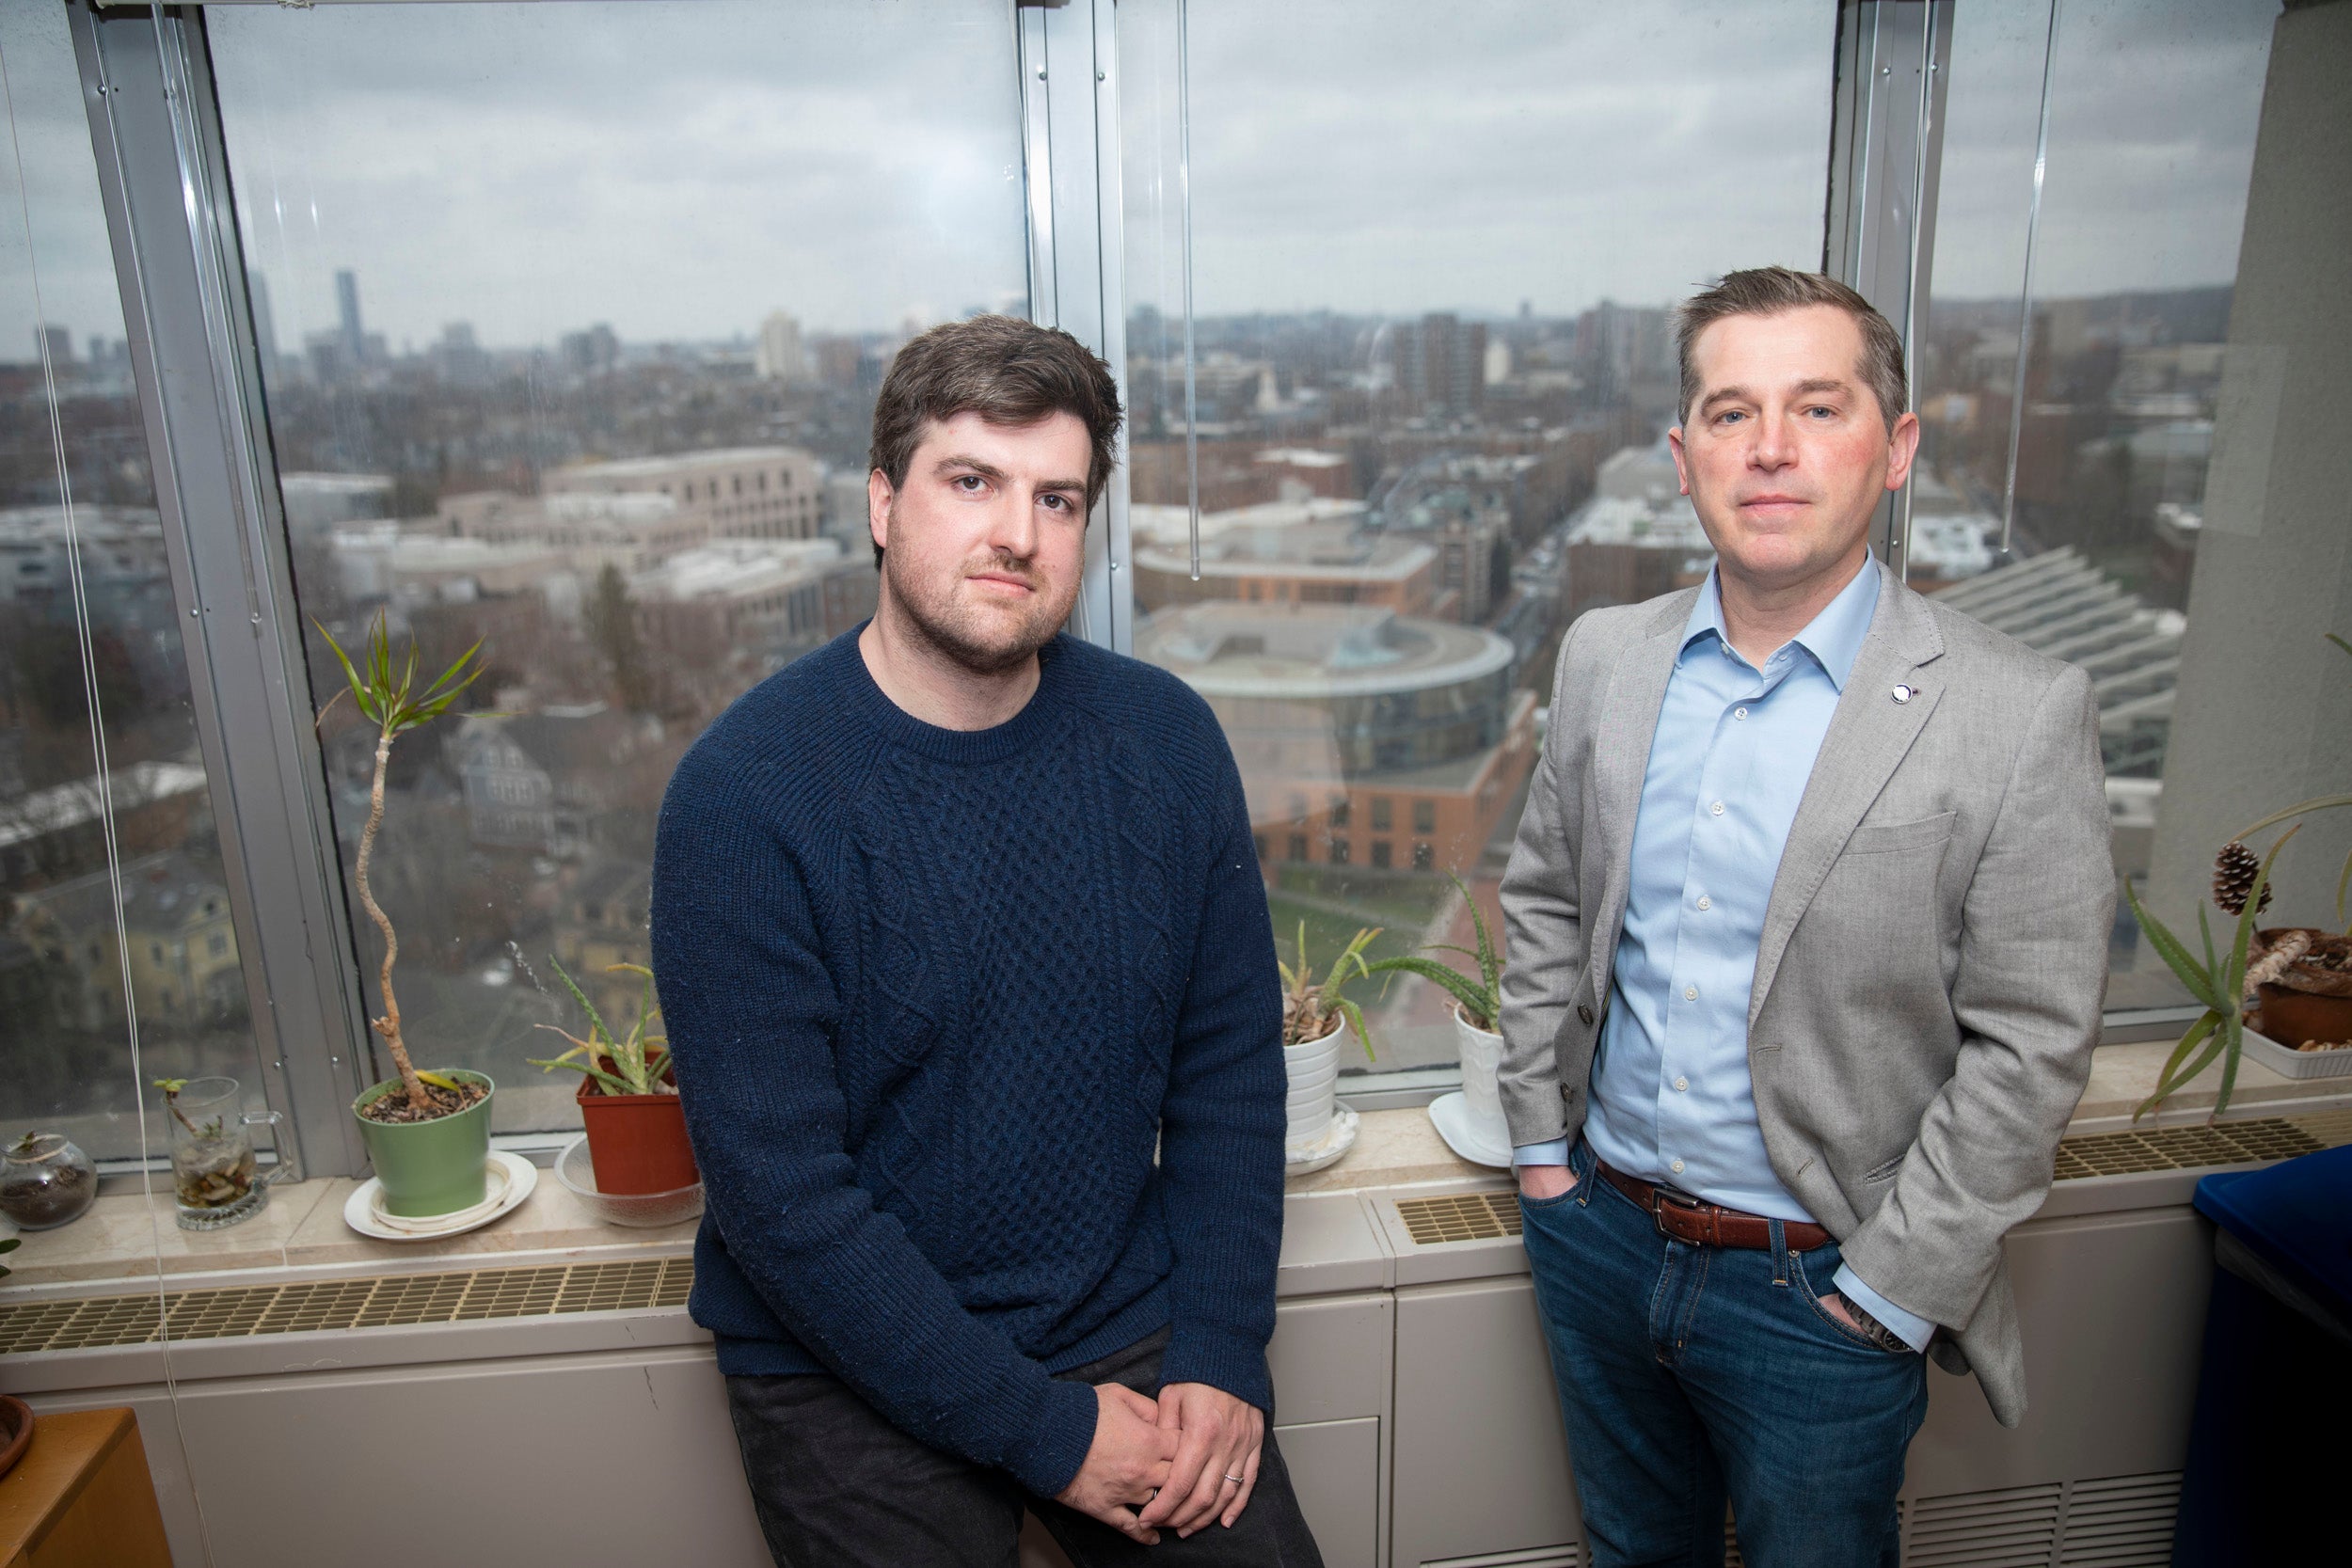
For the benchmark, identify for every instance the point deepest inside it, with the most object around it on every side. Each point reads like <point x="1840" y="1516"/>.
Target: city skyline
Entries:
<point x="656" y="179"/>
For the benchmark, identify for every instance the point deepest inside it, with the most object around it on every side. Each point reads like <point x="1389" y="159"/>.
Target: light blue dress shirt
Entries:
<point x="1672" y="1100"/>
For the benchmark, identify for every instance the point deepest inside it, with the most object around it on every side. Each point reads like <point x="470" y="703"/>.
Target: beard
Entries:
<point x="965" y="634"/>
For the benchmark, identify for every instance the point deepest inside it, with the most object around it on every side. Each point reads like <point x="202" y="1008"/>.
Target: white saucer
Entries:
<point x="1313" y="1154"/>
<point x="1463" y="1134"/>
<point x="517" y="1175"/>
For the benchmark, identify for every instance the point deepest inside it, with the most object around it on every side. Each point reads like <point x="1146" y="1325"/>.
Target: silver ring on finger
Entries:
<point x="1235" y="1480"/>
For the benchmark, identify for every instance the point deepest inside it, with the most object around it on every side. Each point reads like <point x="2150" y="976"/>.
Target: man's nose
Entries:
<point x="1771" y="447"/>
<point x="1013" y="524"/>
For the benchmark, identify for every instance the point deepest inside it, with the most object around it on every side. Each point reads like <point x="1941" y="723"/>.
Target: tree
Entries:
<point x="613" y="628"/>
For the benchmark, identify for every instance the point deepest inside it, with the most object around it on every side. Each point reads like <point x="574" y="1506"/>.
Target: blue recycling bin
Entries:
<point x="2264" y="1482"/>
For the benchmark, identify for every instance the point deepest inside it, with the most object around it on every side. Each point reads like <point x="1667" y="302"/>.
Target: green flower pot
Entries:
<point x="431" y="1167"/>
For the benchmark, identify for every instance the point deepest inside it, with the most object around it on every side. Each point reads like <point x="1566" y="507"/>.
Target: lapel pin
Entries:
<point x="1902" y="694"/>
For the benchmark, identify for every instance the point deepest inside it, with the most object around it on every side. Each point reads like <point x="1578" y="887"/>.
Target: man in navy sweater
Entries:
<point x="957" y="923"/>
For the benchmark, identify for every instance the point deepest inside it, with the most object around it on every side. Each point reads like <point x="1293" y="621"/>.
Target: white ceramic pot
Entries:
<point x="1314" y="1072"/>
<point x="1482" y="1057"/>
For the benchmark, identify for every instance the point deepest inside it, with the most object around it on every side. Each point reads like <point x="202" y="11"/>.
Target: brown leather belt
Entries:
<point x="1709" y="1224"/>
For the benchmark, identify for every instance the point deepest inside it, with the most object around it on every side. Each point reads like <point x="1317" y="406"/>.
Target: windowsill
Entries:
<point x="303" y="1227"/>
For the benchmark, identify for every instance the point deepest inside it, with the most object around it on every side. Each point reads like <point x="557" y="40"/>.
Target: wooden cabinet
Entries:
<point x="81" y="1497"/>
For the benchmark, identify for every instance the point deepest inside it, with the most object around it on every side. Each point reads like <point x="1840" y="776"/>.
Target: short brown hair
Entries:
<point x="1006" y="371"/>
<point x="1770" y="291"/>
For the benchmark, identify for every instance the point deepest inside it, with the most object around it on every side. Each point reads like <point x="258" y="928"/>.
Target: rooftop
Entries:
<point x="1314" y="651"/>
<point x="621" y="470"/>
<point x="1328" y="549"/>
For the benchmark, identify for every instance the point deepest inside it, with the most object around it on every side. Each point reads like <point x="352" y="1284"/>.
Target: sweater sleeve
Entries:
<point x="751" y="1009"/>
<point x="1221" y="1124"/>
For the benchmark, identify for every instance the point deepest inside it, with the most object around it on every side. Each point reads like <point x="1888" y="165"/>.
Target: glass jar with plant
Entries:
<point x="2298" y="977"/>
<point x="427" y="1132"/>
<point x="46" y="1181"/>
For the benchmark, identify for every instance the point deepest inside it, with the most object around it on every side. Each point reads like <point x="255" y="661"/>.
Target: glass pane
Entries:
<point x="119" y="962"/>
<point x="571" y="319"/>
<point x="1433" y="253"/>
<point x="2151" y="132"/>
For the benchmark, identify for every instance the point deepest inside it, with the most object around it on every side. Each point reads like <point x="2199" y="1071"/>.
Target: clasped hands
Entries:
<point x="1167" y="1463"/>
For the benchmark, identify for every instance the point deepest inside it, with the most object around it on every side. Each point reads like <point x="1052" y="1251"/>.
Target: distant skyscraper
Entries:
<point x="266" y="322"/>
<point x="354" y="341"/>
<point x="779" y="355"/>
<point x="1441" y="364"/>
<point x="55" y="343"/>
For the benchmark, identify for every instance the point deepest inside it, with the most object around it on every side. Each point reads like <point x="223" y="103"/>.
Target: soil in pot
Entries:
<point x="2306" y="999"/>
<point x="393" y="1109"/>
<point x="213" y="1173"/>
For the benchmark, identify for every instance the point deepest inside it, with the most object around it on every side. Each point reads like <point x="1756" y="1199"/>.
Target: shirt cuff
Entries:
<point x="1913" y="1329"/>
<point x="1552" y="1153"/>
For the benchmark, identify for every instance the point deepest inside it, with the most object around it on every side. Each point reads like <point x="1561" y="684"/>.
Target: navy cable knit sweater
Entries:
<point x="935" y="996"/>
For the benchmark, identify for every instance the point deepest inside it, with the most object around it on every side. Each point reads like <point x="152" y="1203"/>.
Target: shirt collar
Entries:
<point x="1834" y="636"/>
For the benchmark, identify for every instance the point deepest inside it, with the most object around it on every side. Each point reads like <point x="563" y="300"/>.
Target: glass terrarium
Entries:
<point x="214" y="1177"/>
<point x="45" y="1182"/>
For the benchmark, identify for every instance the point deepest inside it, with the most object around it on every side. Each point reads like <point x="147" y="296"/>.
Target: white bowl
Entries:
<point x="577" y="1170"/>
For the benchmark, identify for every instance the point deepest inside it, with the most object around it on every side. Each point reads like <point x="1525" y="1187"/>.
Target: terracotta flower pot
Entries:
<point x="2310" y="999"/>
<point x="637" y="1141"/>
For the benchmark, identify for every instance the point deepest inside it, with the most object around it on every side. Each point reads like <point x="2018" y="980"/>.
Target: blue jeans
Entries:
<point x="1691" y="1374"/>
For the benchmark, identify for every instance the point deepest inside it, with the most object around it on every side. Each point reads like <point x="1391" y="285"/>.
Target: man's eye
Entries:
<point x="1729" y="415"/>
<point x="968" y="484"/>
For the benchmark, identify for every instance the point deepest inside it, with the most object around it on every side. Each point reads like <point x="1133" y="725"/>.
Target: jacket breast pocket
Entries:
<point x="1877" y="838"/>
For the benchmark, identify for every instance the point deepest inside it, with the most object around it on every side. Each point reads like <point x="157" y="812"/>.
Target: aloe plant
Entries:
<point x="638" y="1059"/>
<point x="1481" y="998"/>
<point x="2217" y="983"/>
<point x="394" y="704"/>
<point x="1308" y="1008"/>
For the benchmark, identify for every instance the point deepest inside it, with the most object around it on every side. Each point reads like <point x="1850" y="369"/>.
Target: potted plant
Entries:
<point x="2299" y="976"/>
<point x="1315" y="1020"/>
<point x="427" y="1132"/>
<point x="1477" y="1008"/>
<point x="629" y="1098"/>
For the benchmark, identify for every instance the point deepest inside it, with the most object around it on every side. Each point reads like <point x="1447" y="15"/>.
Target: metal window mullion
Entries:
<point x="1069" y="135"/>
<point x="154" y="126"/>
<point x="1886" y="158"/>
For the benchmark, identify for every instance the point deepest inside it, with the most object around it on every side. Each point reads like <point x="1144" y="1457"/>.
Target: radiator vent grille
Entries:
<point x="240" y="1312"/>
<point x="1487" y="1216"/>
<point x="1538" y="1556"/>
<point x="2117" y="1522"/>
<point x="2190" y="1147"/>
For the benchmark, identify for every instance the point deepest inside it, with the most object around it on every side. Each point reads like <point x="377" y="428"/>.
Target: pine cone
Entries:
<point x="2234" y="873"/>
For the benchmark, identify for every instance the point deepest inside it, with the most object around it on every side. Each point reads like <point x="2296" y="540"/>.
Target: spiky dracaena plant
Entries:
<point x="1481" y="998"/>
<point x="391" y="700"/>
<point x="639" y="1059"/>
<point x="1308" y="1008"/>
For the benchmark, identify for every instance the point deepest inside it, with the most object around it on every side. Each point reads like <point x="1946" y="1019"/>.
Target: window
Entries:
<point x="1380" y="853"/>
<point x="1430" y="362"/>
<point x="2099" y="452"/>
<point x="1337" y="814"/>
<point x="575" y="400"/>
<point x="1298" y="847"/>
<point x="1338" y="851"/>
<point x="107" y="840"/>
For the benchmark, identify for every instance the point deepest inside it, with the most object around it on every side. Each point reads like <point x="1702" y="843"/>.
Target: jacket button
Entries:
<point x="1584" y="1012"/>
<point x="1567" y="1094"/>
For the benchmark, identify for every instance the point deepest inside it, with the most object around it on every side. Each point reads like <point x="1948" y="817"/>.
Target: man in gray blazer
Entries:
<point x="1808" y="929"/>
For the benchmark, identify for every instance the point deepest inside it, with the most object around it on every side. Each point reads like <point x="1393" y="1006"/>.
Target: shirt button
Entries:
<point x="1681" y="1083"/>
<point x="1717" y="808"/>
<point x="1690" y="993"/>
<point x="1739" y="713"/>
<point x="1705" y="902"/>
<point x="1676" y="1167"/>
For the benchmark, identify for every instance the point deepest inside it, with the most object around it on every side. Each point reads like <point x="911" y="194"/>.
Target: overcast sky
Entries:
<point x="680" y="169"/>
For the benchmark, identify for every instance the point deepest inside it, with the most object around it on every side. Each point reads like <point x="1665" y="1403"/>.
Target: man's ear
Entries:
<point x="1903" y="445"/>
<point x="1673" y="445"/>
<point x="878" y="496"/>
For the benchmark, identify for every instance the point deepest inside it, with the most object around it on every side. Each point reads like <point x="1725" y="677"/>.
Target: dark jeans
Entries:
<point x="837" y="1486"/>
<point x="1689" y="1374"/>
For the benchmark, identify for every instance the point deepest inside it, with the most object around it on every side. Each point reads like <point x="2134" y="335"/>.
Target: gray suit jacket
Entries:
<point x="1933" y="957"/>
